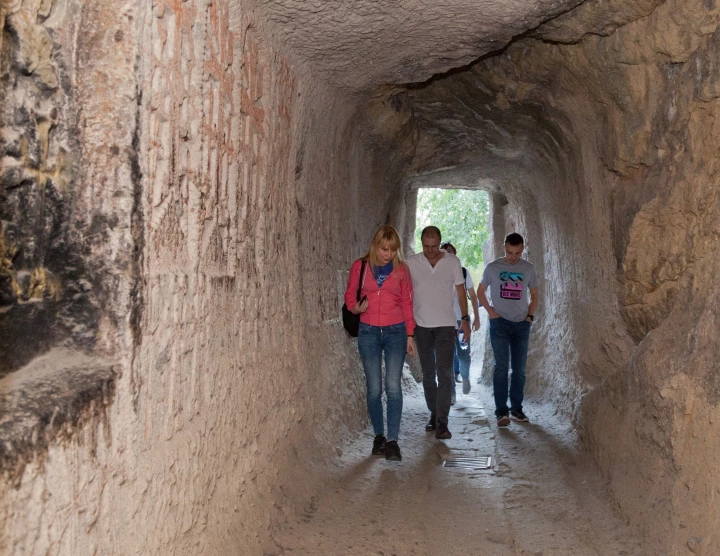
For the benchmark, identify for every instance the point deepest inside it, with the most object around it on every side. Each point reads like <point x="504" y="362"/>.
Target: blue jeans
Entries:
<point x="373" y="341"/>
<point x="462" y="360"/>
<point x="510" y="346"/>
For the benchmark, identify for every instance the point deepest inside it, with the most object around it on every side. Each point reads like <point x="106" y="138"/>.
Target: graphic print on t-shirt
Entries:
<point x="382" y="273"/>
<point x="511" y="287"/>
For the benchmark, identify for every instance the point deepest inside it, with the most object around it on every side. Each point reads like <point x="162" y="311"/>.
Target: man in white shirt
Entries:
<point x="437" y="276"/>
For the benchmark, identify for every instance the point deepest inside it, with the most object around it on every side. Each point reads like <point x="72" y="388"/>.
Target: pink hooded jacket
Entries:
<point x="390" y="304"/>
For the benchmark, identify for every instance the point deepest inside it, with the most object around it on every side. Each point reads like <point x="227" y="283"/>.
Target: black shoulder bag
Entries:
<point x="351" y="321"/>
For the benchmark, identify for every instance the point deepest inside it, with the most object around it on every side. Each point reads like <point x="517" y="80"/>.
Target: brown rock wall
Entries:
<point x="604" y="148"/>
<point x="61" y="145"/>
<point x="364" y="44"/>
<point x="235" y="181"/>
<point x="183" y="195"/>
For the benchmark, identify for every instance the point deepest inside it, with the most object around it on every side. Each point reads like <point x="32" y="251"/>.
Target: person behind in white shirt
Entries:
<point x="462" y="359"/>
<point x="437" y="277"/>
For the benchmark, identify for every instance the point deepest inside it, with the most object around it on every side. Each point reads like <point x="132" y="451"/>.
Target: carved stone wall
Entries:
<point x="179" y="198"/>
<point x="598" y="128"/>
<point x="66" y="181"/>
<point x="208" y="189"/>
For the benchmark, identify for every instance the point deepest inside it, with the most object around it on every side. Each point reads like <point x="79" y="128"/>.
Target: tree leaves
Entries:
<point x="461" y="215"/>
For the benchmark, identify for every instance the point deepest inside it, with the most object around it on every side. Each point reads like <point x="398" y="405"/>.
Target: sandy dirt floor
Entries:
<point x="537" y="498"/>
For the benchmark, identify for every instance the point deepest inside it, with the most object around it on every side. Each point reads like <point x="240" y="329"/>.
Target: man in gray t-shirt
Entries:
<point x="514" y="298"/>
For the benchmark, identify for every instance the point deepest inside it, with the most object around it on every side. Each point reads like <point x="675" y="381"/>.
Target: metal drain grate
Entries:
<point x="464" y="462"/>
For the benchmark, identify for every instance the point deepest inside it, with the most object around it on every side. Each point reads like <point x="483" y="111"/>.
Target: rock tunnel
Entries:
<point x="184" y="184"/>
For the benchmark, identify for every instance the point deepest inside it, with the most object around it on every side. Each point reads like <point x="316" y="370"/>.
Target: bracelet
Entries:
<point x="411" y="335"/>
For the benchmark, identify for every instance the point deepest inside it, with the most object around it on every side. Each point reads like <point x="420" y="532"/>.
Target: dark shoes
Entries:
<point x="432" y="425"/>
<point x="518" y="415"/>
<point x="503" y="420"/>
<point x="380" y="446"/>
<point x="466" y="385"/>
<point x="442" y="432"/>
<point x="441" y="429"/>
<point x="392" y="451"/>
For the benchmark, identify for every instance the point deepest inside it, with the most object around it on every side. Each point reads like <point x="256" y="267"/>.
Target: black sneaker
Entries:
<point x="466" y="385"/>
<point x="379" y="445"/>
<point x="518" y="415"/>
<point x="503" y="420"/>
<point x="432" y="425"/>
<point x="442" y="432"/>
<point x="392" y="451"/>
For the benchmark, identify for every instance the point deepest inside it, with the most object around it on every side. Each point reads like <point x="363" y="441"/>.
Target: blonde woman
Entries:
<point x="387" y="327"/>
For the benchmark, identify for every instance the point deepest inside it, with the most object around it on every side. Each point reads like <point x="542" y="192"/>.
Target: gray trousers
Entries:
<point x="436" y="348"/>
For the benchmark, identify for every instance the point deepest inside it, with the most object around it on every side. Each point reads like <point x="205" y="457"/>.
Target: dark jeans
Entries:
<point x="436" y="347"/>
<point x="510" y="346"/>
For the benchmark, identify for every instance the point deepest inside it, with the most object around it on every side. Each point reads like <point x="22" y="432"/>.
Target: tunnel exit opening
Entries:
<point x="463" y="218"/>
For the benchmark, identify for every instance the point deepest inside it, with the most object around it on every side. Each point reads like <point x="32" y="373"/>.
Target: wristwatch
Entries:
<point x="531" y="317"/>
<point x="465" y="317"/>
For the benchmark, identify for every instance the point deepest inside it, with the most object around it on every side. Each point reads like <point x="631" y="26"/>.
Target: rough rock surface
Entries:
<point x="49" y="400"/>
<point x="360" y="45"/>
<point x="600" y="151"/>
<point x="65" y="177"/>
<point x="210" y="193"/>
<point x="185" y="183"/>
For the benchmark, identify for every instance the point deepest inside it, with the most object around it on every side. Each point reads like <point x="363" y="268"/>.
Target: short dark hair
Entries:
<point x="446" y="244"/>
<point x="431" y="231"/>
<point x="514" y="239"/>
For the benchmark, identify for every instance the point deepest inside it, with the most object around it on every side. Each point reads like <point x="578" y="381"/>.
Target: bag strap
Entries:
<point x="467" y="293"/>
<point x="360" y="283"/>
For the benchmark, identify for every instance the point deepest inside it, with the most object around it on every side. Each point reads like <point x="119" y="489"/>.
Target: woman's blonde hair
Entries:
<point x="385" y="235"/>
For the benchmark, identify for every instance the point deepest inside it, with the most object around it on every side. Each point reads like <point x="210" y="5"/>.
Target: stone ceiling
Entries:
<point x="360" y="44"/>
<point x="430" y="50"/>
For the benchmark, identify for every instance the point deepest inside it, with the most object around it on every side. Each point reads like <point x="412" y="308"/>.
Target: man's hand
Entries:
<point x="492" y="313"/>
<point x="474" y="302"/>
<point x="465" y="325"/>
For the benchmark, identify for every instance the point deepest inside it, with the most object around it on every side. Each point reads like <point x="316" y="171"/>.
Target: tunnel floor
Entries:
<point x="538" y="498"/>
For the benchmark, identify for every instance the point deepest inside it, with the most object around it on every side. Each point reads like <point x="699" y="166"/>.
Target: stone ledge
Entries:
<point x="47" y="400"/>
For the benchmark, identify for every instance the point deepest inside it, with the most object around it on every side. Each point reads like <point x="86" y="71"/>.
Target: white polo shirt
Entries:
<point x="468" y="284"/>
<point x="434" y="289"/>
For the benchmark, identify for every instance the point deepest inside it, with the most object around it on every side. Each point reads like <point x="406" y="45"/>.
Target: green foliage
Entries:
<point x="461" y="215"/>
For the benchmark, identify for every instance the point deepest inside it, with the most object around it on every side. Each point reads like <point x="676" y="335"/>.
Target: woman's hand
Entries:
<point x="360" y="307"/>
<point x="411" y="345"/>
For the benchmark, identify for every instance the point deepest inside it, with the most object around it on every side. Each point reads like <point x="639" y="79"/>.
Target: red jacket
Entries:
<point x="390" y="304"/>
